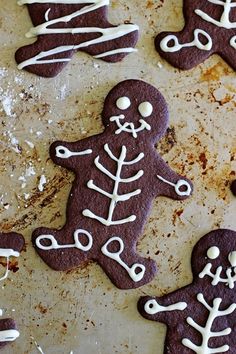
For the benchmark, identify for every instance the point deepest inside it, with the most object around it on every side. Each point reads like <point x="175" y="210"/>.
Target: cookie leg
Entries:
<point x="44" y="58"/>
<point x="125" y="268"/>
<point x="8" y="331"/>
<point x="172" y="46"/>
<point x="62" y="250"/>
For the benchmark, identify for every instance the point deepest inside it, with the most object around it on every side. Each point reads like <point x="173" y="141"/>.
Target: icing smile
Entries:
<point x="213" y="253"/>
<point x="216" y="278"/>
<point x="129" y="127"/>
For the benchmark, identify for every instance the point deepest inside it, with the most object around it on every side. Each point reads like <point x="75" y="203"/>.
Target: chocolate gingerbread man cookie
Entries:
<point x="67" y="26"/>
<point x="210" y="28"/>
<point x="201" y="317"/>
<point x="118" y="174"/>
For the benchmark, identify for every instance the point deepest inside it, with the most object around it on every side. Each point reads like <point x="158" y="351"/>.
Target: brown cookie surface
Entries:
<point x="200" y="317"/>
<point x="210" y="27"/>
<point x="65" y="27"/>
<point x="118" y="174"/>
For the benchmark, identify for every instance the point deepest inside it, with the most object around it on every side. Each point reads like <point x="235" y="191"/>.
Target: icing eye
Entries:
<point x="145" y="109"/>
<point x="123" y="103"/>
<point x="232" y="258"/>
<point x="60" y="151"/>
<point x="213" y="252"/>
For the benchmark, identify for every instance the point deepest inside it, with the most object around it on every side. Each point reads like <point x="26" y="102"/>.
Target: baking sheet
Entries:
<point x="81" y="311"/>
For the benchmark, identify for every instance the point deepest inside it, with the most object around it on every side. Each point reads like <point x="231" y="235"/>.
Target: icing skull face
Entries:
<point x="145" y="109"/>
<point x="220" y="256"/>
<point x="133" y="114"/>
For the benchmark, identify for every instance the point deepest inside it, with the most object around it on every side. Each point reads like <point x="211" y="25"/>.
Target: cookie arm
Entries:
<point x="161" y="309"/>
<point x="67" y="154"/>
<point x="169" y="183"/>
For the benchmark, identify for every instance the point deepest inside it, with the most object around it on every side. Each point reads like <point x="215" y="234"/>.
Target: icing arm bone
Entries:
<point x="64" y="154"/>
<point x="156" y="309"/>
<point x="171" y="184"/>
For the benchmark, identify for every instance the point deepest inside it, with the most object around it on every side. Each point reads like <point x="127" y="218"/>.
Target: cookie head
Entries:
<point x="214" y="258"/>
<point x="137" y="110"/>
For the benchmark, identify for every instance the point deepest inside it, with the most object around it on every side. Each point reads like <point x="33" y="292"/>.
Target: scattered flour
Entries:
<point x="42" y="183"/>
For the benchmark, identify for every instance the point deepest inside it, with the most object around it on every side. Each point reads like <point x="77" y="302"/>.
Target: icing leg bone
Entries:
<point x="68" y="26"/>
<point x="54" y="244"/>
<point x="132" y="271"/>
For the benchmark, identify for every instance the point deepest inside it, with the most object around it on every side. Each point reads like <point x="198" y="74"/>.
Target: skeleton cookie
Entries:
<point x="10" y="246"/>
<point x="201" y="317"/>
<point x="66" y="26"/>
<point x="118" y="174"/>
<point x="210" y="28"/>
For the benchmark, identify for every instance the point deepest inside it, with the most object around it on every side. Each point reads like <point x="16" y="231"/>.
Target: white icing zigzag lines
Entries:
<point x="107" y="34"/>
<point x="224" y="20"/>
<point x="206" y="332"/>
<point x="114" y="196"/>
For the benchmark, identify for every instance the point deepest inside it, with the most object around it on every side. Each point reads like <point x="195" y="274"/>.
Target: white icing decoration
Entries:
<point x="129" y="127"/>
<point x="123" y="103"/>
<point x="115" y="51"/>
<point x="47" y="13"/>
<point x="145" y="109"/>
<point x="152" y="307"/>
<point x="233" y="42"/>
<point x="77" y="244"/>
<point x="114" y="196"/>
<point x="9" y="335"/>
<point x="195" y="43"/>
<point x="206" y="332"/>
<point x="107" y="34"/>
<point x="136" y="277"/>
<point x="178" y="185"/>
<point x="232" y="258"/>
<point x="225" y="17"/>
<point x="7" y="253"/>
<point x="216" y="278"/>
<point x="213" y="252"/>
<point x="64" y="153"/>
